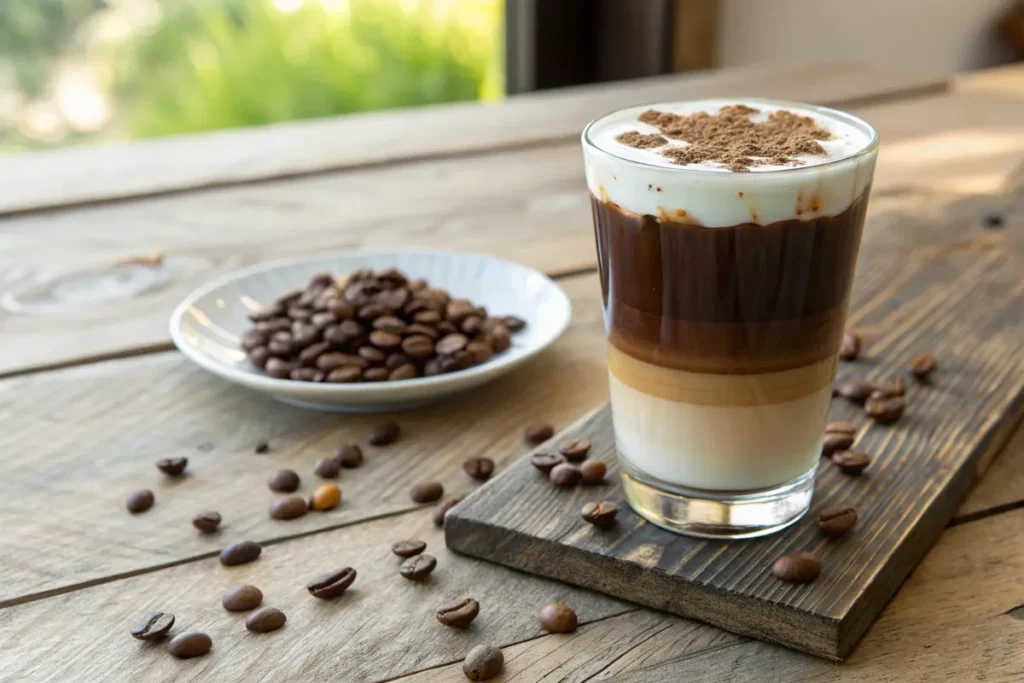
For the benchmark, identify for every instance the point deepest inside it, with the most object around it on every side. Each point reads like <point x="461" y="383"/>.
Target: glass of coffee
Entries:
<point x="727" y="234"/>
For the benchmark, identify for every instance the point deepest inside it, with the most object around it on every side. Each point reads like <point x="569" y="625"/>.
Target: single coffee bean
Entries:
<point x="322" y="319"/>
<point x="335" y="360"/>
<point x="427" y="317"/>
<point x="408" y="547"/>
<point x="856" y="391"/>
<point x="471" y="324"/>
<point x="558" y="617"/>
<point x="240" y="553"/>
<point x="593" y="471"/>
<point x="426" y="492"/>
<point x="172" y="467"/>
<point x="894" y="386"/>
<point x="139" y="501"/>
<point x="441" y="511"/>
<point x="242" y="598"/>
<point x="432" y="367"/>
<point x="281" y="344"/>
<point x="326" y="497"/>
<point x="480" y="350"/>
<point x="565" y="475"/>
<point x="545" y="462"/>
<point x="265" y="620"/>
<point x="332" y="584"/>
<point x="885" y="410"/>
<point x="327" y="468"/>
<point x="450" y="344"/>
<point x="840" y="428"/>
<point x="253" y="339"/>
<point x="264" y="313"/>
<point x="514" y="323"/>
<point x="390" y="323"/>
<point x="307" y="375"/>
<point x="850" y="348"/>
<point x="404" y="371"/>
<point x="483" y="663"/>
<point x="834" y="442"/>
<point x="851" y="462"/>
<point x="424" y="330"/>
<point x="460" y="360"/>
<point x="538" y="433"/>
<point x="310" y="354"/>
<point x="279" y="369"/>
<point x="396" y="360"/>
<point x="349" y="456"/>
<point x="376" y="374"/>
<point x="385" y="434"/>
<point x="262" y="447"/>
<point x="385" y="340"/>
<point x="372" y="354"/>
<point x="372" y="311"/>
<point x="283" y="481"/>
<point x="189" y="644"/>
<point x="837" y="521"/>
<point x="289" y="507"/>
<point x="480" y="469"/>
<point x="418" y="567"/>
<point x="259" y="356"/>
<point x="459" y="615"/>
<point x="601" y="514"/>
<point x="345" y="375"/>
<point x="799" y="567"/>
<point x="922" y="365"/>
<point x="153" y="626"/>
<point x="207" y="522"/>
<point x="500" y="338"/>
<point x="575" y="450"/>
<point x="419" y="346"/>
<point x="459" y="309"/>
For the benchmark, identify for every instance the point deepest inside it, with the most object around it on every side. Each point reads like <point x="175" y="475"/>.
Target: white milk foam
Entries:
<point x="644" y="181"/>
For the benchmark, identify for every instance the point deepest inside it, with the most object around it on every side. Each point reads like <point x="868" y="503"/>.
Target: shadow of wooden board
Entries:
<point x="964" y="302"/>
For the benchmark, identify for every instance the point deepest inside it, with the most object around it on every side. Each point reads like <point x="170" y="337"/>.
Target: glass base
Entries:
<point x="717" y="514"/>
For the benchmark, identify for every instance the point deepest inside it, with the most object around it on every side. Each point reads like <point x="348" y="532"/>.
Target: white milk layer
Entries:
<point x="645" y="182"/>
<point x="730" y="448"/>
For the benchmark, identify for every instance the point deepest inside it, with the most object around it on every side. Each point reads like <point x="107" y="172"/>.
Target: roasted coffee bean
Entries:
<point x="432" y="367"/>
<point x="396" y="360"/>
<point x="335" y="360"/>
<point x="471" y="325"/>
<point x="252" y="339"/>
<point x="406" y="371"/>
<point x="307" y="375"/>
<point x="922" y="365"/>
<point x="459" y="309"/>
<point x="836" y="521"/>
<point x="326" y="497"/>
<point x="242" y="598"/>
<point x="265" y="620"/>
<point x="538" y="433"/>
<point x="460" y="360"/>
<point x="276" y="325"/>
<point x="283" y="481"/>
<point x="390" y="323"/>
<point x="309" y="355"/>
<point x="418" y="567"/>
<point x="558" y="617"/>
<point x="259" y="357"/>
<point x="139" y="501"/>
<point x="841" y="428"/>
<point x="332" y="584"/>
<point x="545" y="462"/>
<point x="427" y="317"/>
<point x="480" y="351"/>
<point x="349" y="456"/>
<point x="322" y="319"/>
<point x="565" y="475"/>
<point x="385" y="340"/>
<point x="426" y="492"/>
<point x="341" y="309"/>
<point x="372" y="355"/>
<point x="418" y="346"/>
<point x="327" y="468"/>
<point x="262" y="447"/>
<point x="385" y="434"/>
<point x="376" y="374"/>
<point x="264" y="313"/>
<point x="207" y="522"/>
<point x="334" y="335"/>
<point x="500" y="338"/>
<point x="279" y="369"/>
<point x="153" y="626"/>
<point x="850" y="348"/>
<point x="856" y="391"/>
<point x="851" y="462"/>
<point x="446" y="327"/>
<point x="483" y="663"/>
<point x="798" y="567"/>
<point x="408" y="547"/>
<point x="885" y="410"/>
<point x="441" y="511"/>
<point x="894" y="386"/>
<point x="513" y="323"/>
<point x="592" y="471"/>
<point x="281" y="344"/>
<point x="834" y="442"/>
<point x="394" y="299"/>
<point x="450" y="344"/>
<point x="345" y="375"/>
<point x="289" y="507"/>
<point x="240" y="553"/>
<point x="460" y="614"/>
<point x="424" y="330"/>
<point x="480" y="469"/>
<point x="189" y="644"/>
<point x="372" y="311"/>
<point x="489" y="323"/>
<point x="601" y="514"/>
<point x="575" y="450"/>
<point x="172" y="466"/>
<point x="300" y="313"/>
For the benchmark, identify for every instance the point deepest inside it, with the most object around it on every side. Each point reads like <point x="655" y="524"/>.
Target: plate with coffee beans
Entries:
<point x="367" y="331"/>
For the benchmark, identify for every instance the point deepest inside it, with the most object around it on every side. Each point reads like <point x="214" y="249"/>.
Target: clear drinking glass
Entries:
<point x="725" y="297"/>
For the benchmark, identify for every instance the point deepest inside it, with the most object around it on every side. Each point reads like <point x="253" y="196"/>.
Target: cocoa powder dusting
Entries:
<point x="731" y="137"/>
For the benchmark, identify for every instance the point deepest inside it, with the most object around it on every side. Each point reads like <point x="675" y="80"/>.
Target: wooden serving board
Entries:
<point x="965" y="303"/>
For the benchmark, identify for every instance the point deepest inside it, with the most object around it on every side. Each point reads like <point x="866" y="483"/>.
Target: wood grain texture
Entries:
<point x="83" y="175"/>
<point x="964" y="304"/>
<point x="78" y="442"/>
<point x="1002" y="486"/>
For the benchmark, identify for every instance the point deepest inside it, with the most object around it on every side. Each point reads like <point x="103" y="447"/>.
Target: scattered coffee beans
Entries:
<point x="839" y="436"/>
<point x="836" y="521"/>
<point x="851" y="462"/>
<point x="593" y="471"/>
<point x="426" y="492"/>
<point x="545" y="462"/>
<point x="418" y="568"/>
<point x="240" y="553"/>
<point x="283" y="481"/>
<point x="850" y="348"/>
<point x="242" y="598"/>
<point x="538" y="433"/>
<point x="558" y="618"/>
<point x="189" y="644"/>
<point x="408" y="548"/>
<point x="885" y="410"/>
<point x="483" y="663"/>
<point x="385" y="434"/>
<point x="349" y="456"/>
<point x="799" y="567"/>
<point x="459" y="615"/>
<point x="139" y="501"/>
<point x="265" y="620"/>
<point x="922" y="365"/>
<point x="565" y="475"/>
<point x="153" y="626"/>
<point x="332" y="584"/>
<point x="601" y="514"/>
<point x="172" y="467"/>
<point x="207" y="522"/>
<point x="480" y="469"/>
<point x="441" y="511"/>
<point x="856" y="391"/>
<point x="327" y="468"/>
<point x="289" y="507"/>
<point x="575" y="450"/>
<point x="326" y="497"/>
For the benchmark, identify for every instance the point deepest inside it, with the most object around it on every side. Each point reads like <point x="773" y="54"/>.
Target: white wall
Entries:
<point x="926" y="35"/>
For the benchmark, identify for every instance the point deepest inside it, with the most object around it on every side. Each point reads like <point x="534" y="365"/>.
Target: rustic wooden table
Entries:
<point x="92" y="395"/>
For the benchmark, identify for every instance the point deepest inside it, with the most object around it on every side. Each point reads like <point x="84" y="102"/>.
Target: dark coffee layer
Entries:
<point x="737" y="299"/>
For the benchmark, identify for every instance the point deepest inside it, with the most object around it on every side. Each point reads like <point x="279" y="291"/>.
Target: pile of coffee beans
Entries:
<point x="372" y="327"/>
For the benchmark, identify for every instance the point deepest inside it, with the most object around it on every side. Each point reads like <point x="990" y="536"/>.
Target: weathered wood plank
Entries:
<point x="82" y="175"/>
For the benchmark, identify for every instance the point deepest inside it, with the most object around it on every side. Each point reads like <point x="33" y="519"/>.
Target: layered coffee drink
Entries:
<point x="727" y="235"/>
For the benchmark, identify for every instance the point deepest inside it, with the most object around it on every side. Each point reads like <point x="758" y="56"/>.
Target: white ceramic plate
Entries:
<point x="207" y="325"/>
